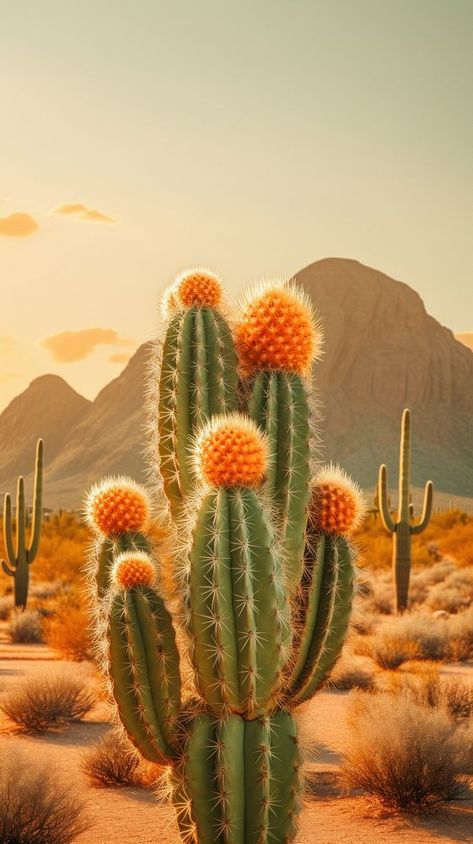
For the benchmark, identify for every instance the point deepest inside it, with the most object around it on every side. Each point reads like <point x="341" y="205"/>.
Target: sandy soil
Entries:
<point x="132" y="816"/>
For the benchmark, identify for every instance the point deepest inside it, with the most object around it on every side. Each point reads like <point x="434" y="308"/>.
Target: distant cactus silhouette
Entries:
<point x="20" y="554"/>
<point x="401" y="527"/>
<point x="262" y="567"/>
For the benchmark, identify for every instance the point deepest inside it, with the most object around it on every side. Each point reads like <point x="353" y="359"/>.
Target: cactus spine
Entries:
<point x="264" y="566"/>
<point x="21" y="554"/>
<point x="401" y="527"/>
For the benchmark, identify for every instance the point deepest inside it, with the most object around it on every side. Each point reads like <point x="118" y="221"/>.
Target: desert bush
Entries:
<point x="460" y="633"/>
<point x="387" y="650"/>
<point x="351" y="673"/>
<point x="409" y="756"/>
<point x="112" y="762"/>
<point x="429" y="689"/>
<point x="68" y="632"/>
<point x="46" y="591"/>
<point x="34" y="808"/>
<point x="42" y="701"/>
<point x="25" y="627"/>
<point x="6" y="606"/>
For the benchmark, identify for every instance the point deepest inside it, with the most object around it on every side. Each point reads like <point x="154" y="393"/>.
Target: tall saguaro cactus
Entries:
<point x="401" y="527"/>
<point x="21" y="553"/>
<point x="264" y="570"/>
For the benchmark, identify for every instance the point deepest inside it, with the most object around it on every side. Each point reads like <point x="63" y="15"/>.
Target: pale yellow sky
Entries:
<point x="139" y="138"/>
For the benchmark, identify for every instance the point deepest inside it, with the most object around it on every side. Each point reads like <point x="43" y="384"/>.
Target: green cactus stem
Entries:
<point x="144" y="670"/>
<point x="238" y="613"/>
<point x="401" y="527"/>
<point x="239" y="781"/>
<point x="279" y="405"/>
<point x="198" y="379"/>
<point x="21" y="554"/>
<point x="322" y="612"/>
<point x="107" y="549"/>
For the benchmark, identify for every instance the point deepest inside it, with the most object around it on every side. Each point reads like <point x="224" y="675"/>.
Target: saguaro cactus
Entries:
<point x="20" y="554"/>
<point x="401" y="527"/>
<point x="229" y="736"/>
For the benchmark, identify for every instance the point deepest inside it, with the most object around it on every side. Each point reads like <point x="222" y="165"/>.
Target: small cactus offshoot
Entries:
<point x="263" y="565"/>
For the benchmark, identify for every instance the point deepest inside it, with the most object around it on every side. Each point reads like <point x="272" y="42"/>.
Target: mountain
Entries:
<point x="382" y="353"/>
<point x="48" y="408"/>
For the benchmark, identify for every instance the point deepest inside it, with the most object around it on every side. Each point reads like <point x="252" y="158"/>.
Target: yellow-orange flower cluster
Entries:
<point x="117" y="505"/>
<point x="232" y="452"/>
<point x="198" y="289"/>
<point x="277" y="330"/>
<point x="134" y="568"/>
<point x="337" y="504"/>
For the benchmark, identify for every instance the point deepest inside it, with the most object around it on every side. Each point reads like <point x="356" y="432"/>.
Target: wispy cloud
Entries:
<point x="8" y="376"/>
<point x="7" y="344"/>
<point x="18" y="224"/>
<point x="82" y="212"/>
<point x="466" y="338"/>
<point x="69" y="346"/>
<point x="119" y="357"/>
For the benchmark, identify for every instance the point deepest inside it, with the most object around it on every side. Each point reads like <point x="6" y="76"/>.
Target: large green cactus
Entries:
<point x="401" y="527"/>
<point x="256" y="651"/>
<point x="21" y="554"/>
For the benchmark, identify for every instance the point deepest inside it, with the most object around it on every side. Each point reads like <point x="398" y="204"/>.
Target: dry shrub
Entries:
<point x="460" y="636"/>
<point x="39" y="702"/>
<point x="351" y="673"/>
<point x="115" y="762"/>
<point x="34" y="807"/>
<point x="407" y="755"/>
<point x="429" y="689"/>
<point x="387" y="650"/>
<point x="68" y="632"/>
<point x="45" y="591"/>
<point x="6" y="606"/>
<point x="25" y="627"/>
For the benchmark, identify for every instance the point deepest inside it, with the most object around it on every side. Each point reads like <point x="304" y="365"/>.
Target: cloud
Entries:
<point x="18" y="224"/>
<point x="83" y="212"/>
<point x="7" y="344"/>
<point x="69" y="346"/>
<point x="466" y="338"/>
<point x="119" y="357"/>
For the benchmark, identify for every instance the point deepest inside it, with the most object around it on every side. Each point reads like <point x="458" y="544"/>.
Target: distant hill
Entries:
<point x="383" y="352"/>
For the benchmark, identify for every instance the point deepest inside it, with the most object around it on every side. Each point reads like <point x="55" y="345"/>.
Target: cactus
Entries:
<point x="264" y="623"/>
<point x="278" y="338"/>
<point x="401" y="527"/>
<point x="21" y="554"/>
<point x="198" y="377"/>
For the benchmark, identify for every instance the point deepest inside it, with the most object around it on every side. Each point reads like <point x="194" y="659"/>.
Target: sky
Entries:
<point x="141" y="137"/>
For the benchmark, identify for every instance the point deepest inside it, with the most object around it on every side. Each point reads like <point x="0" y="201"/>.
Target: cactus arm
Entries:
<point x="306" y="612"/>
<point x="8" y="531"/>
<point x="135" y="639"/>
<point x="20" y="520"/>
<point x="167" y="422"/>
<point x="426" y="510"/>
<point x="383" y="504"/>
<point x="279" y="405"/>
<point x="185" y="394"/>
<point x="224" y="365"/>
<point x="404" y="466"/>
<point x="37" y="504"/>
<point x="6" y="568"/>
<point x="336" y="623"/>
